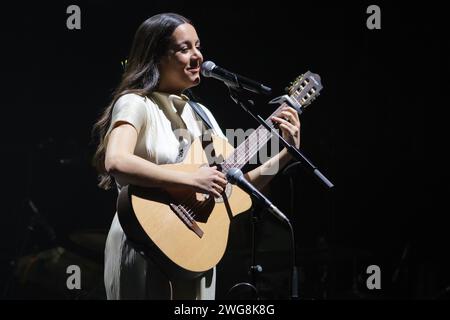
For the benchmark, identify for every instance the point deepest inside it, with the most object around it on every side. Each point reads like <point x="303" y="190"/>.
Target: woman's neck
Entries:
<point x="167" y="90"/>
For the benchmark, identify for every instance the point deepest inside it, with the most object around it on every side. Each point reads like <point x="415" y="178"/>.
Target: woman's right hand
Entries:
<point x="209" y="180"/>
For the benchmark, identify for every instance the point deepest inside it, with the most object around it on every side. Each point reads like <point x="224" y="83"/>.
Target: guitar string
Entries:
<point x="191" y="204"/>
<point x="241" y="156"/>
<point x="262" y="128"/>
<point x="262" y="139"/>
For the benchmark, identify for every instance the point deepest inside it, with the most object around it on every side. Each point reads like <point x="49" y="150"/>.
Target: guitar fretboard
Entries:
<point x="250" y="147"/>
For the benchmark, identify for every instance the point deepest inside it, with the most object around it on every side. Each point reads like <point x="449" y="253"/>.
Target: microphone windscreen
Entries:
<point x="207" y="67"/>
<point x="234" y="174"/>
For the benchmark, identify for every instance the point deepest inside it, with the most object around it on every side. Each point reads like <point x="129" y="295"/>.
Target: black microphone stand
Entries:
<point x="246" y="104"/>
<point x="254" y="268"/>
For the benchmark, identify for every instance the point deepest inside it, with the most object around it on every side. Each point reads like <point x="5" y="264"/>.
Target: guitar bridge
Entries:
<point x="187" y="219"/>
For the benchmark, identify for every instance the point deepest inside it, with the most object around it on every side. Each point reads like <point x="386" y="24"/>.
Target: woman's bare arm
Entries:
<point x="123" y="165"/>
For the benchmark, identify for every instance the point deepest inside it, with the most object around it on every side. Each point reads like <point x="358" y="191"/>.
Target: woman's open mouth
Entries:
<point x="194" y="70"/>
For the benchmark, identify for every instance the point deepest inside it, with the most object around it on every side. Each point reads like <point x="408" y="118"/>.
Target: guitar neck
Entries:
<point x="303" y="91"/>
<point x="251" y="146"/>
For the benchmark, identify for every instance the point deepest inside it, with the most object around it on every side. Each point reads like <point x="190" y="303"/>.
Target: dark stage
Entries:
<point x="377" y="131"/>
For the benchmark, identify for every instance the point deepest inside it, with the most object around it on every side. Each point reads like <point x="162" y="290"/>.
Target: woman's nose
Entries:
<point x="197" y="54"/>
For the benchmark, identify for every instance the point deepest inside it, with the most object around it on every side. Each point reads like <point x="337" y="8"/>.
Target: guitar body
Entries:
<point x="150" y="218"/>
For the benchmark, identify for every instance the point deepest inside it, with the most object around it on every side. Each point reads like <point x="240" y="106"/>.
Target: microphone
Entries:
<point x="235" y="176"/>
<point x="210" y="69"/>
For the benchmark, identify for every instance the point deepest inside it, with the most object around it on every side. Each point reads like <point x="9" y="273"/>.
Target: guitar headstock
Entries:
<point x="305" y="88"/>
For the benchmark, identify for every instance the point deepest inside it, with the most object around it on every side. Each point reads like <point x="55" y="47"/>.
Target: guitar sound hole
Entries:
<point x="228" y="190"/>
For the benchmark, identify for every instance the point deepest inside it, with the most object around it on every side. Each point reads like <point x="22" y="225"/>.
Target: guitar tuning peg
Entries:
<point x="287" y="89"/>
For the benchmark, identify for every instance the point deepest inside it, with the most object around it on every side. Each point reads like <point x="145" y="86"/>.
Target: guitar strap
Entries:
<point x="199" y="111"/>
<point x="206" y="139"/>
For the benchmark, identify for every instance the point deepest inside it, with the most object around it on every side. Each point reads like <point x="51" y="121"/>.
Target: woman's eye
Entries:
<point x="186" y="49"/>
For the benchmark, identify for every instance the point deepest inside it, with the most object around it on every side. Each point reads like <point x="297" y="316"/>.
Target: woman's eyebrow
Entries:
<point x="187" y="42"/>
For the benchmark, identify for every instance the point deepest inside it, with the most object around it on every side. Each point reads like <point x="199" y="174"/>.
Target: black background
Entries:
<point x="378" y="131"/>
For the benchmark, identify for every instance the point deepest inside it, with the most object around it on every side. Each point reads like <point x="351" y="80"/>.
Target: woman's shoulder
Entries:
<point x="132" y="102"/>
<point x="130" y="98"/>
<point x="130" y="105"/>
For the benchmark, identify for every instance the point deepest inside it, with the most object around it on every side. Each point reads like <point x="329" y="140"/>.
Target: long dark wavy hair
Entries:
<point x="141" y="76"/>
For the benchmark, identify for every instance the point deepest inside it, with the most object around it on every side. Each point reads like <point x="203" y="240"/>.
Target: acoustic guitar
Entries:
<point x="186" y="232"/>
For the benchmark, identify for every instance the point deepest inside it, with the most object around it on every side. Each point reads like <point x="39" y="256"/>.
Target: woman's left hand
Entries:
<point x="289" y="124"/>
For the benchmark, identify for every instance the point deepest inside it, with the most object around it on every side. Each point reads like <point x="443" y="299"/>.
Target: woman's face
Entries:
<point x="180" y="67"/>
